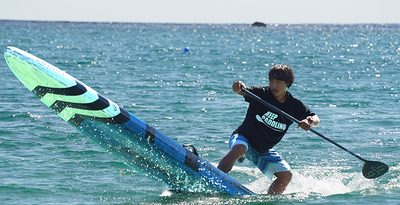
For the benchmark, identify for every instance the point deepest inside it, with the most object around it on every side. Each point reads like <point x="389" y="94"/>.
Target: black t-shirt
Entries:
<point x="263" y="127"/>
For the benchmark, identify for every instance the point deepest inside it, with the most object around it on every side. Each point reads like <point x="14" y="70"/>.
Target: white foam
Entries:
<point x="313" y="182"/>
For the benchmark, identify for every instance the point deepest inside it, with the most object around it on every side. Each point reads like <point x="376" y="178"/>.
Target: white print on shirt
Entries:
<point x="269" y="120"/>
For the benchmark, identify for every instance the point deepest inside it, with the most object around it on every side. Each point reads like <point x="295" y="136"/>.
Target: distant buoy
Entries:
<point x="186" y="50"/>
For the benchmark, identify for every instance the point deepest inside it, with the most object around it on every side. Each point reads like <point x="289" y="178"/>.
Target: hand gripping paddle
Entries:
<point x="371" y="169"/>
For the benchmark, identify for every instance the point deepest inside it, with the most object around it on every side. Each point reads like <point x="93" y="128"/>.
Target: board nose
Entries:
<point x="18" y="66"/>
<point x="25" y="68"/>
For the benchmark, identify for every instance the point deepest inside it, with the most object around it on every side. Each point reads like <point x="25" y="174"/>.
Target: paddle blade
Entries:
<point x="374" y="169"/>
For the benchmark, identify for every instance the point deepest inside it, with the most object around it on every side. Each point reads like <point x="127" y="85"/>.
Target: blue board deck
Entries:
<point x="119" y="131"/>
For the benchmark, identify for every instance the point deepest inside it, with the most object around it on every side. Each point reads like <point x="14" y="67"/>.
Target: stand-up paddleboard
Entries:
<point x="120" y="132"/>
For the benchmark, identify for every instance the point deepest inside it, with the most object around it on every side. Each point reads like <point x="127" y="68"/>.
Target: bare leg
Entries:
<point x="231" y="157"/>
<point x="280" y="183"/>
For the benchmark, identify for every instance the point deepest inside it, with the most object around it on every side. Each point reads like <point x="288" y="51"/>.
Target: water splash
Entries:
<point x="393" y="182"/>
<point x="313" y="183"/>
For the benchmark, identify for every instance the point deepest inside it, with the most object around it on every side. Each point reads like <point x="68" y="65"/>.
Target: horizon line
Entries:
<point x="187" y="23"/>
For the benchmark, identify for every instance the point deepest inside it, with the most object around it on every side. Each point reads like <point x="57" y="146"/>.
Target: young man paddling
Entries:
<point x="263" y="128"/>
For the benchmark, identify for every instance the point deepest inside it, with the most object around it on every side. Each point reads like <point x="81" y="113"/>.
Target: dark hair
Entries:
<point x="282" y="72"/>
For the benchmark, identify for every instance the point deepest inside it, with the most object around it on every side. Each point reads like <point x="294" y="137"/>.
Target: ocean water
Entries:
<point x="347" y="74"/>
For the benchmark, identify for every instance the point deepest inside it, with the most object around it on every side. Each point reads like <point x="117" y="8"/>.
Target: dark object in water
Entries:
<point x="259" y="24"/>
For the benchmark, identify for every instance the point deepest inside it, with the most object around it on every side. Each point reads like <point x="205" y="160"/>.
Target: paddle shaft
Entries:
<point x="272" y="107"/>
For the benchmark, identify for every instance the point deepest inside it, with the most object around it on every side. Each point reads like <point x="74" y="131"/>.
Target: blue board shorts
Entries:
<point x="269" y="162"/>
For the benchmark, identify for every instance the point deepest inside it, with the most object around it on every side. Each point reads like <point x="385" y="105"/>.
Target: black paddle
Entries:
<point x="371" y="169"/>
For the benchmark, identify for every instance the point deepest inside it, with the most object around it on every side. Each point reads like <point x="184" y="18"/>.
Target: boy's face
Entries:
<point x="277" y="87"/>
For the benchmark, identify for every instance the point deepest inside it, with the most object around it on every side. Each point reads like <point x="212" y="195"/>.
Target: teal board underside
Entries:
<point x="119" y="131"/>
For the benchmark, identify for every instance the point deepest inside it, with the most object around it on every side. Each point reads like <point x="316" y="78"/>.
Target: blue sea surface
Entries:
<point x="178" y="77"/>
